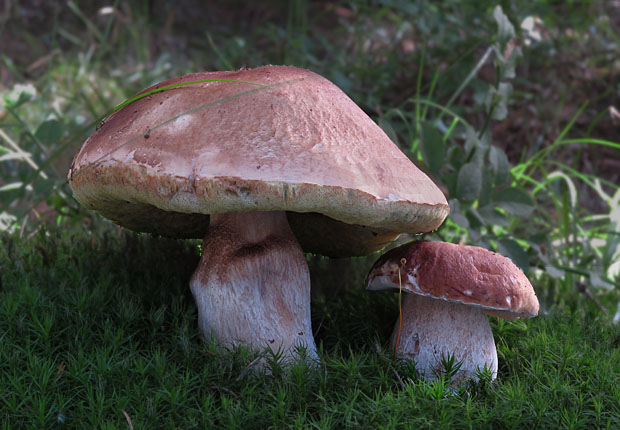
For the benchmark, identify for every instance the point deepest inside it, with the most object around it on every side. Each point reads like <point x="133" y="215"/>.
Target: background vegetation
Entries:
<point x="512" y="108"/>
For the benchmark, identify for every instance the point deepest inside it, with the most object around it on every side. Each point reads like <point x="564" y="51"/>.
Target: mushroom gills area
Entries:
<point x="252" y="285"/>
<point x="435" y="328"/>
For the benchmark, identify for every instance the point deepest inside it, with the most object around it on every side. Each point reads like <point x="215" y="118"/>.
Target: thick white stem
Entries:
<point x="252" y="286"/>
<point x="433" y="328"/>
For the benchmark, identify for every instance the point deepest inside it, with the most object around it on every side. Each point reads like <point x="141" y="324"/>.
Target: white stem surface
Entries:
<point x="252" y="286"/>
<point x="433" y="328"/>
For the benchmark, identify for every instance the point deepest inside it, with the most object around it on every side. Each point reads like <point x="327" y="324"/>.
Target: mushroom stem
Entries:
<point x="433" y="329"/>
<point x="252" y="285"/>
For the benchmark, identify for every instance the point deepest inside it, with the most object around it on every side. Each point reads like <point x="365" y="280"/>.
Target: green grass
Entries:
<point x="94" y="327"/>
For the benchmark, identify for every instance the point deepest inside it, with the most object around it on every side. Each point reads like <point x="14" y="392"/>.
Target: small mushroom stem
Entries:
<point x="252" y="285"/>
<point x="433" y="329"/>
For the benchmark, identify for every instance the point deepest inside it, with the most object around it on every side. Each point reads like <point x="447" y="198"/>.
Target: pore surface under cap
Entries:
<point x="296" y="142"/>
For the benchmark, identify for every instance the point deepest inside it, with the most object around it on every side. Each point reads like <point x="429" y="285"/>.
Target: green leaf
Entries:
<point x="554" y="272"/>
<point x="597" y="281"/>
<point x="488" y="177"/>
<point x="572" y="189"/>
<point x="10" y="187"/>
<point x="499" y="162"/>
<point x="469" y="182"/>
<point x="492" y="216"/>
<point x="432" y="148"/>
<point x="11" y="192"/>
<point x="14" y="156"/>
<point x="505" y="29"/>
<point x="515" y="200"/>
<point x="386" y="126"/>
<point x="456" y="215"/>
<point x="44" y="187"/>
<point x="19" y="95"/>
<point x="496" y="101"/>
<point x="511" y="249"/>
<point x="341" y="80"/>
<point x="456" y="156"/>
<point x="475" y="220"/>
<point x="476" y="147"/>
<point x="510" y="64"/>
<point x="49" y="132"/>
<point x="460" y="220"/>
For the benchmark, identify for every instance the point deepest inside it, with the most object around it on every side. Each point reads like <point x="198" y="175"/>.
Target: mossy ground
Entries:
<point x="99" y="331"/>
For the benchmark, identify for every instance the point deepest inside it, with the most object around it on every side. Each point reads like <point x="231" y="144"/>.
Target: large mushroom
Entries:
<point x="263" y="164"/>
<point x="450" y="290"/>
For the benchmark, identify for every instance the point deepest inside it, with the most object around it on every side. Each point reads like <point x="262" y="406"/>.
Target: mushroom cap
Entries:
<point x="267" y="139"/>
<point x="457" y="273"/>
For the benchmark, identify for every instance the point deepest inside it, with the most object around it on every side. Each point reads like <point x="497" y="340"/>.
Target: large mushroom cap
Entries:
<point x="457" y="273"/>
<point x="294" y="142"/>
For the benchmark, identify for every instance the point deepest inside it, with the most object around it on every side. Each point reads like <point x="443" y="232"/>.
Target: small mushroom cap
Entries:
<point x="457" y="273"/>
<point x="294" y="142"/>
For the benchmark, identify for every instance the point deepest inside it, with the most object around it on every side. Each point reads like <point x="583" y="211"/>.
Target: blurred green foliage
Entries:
<point x="441" y="78"/>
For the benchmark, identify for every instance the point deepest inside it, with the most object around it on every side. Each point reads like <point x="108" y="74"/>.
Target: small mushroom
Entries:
<point x="451" y="289"/>
<point x="263" y="164"/>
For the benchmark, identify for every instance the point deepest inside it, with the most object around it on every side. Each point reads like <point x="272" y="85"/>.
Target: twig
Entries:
<point x="400" y="307"/>
<point x="248" y="367"/>
<point x="61" y="369"/>
<point x="128" y="420"/>
<point x="583" y="288"/>
<point x="224" y="390"/>
<point x="319" y="327"/>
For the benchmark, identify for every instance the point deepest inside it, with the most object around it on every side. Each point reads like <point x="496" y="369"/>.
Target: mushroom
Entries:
<point x="263" y="164"/>
<point x="451" y="290"/>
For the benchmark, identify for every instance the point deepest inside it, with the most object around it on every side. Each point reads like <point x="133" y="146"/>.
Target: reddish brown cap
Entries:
<point x="457" y="273"/>
<point x="294" y="142"/>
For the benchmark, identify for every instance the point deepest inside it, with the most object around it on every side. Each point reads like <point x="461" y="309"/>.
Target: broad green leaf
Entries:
<point x="386" y="126"/>
<point x="433" y="148"/>
<point x="515" y="200"/>
<point x="476" y="145"/>
<point x="597" y="281"/>
<point x="450" y="180"/>
<point x="511" y="249"/>
<point x="460" y="220"/>
<point x="456" y="215"/>
<point x="613" y="271"/>
<point x="456" y="156"/>
<point x="499" y="162"/>
<point x="49" y="132"/>
<point x="496" y="101"/>
<point x="44" y="187"/>
<point x="469" y="182"/>
<point x="492" y="216"/>
<point x="505" y="29"/>
<point x="554" y="272"/>
<point x="341" y="80"/>
<point x="475" y="220"/>
<point x="488" y="177"/>
<point x="510" y="63"/>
